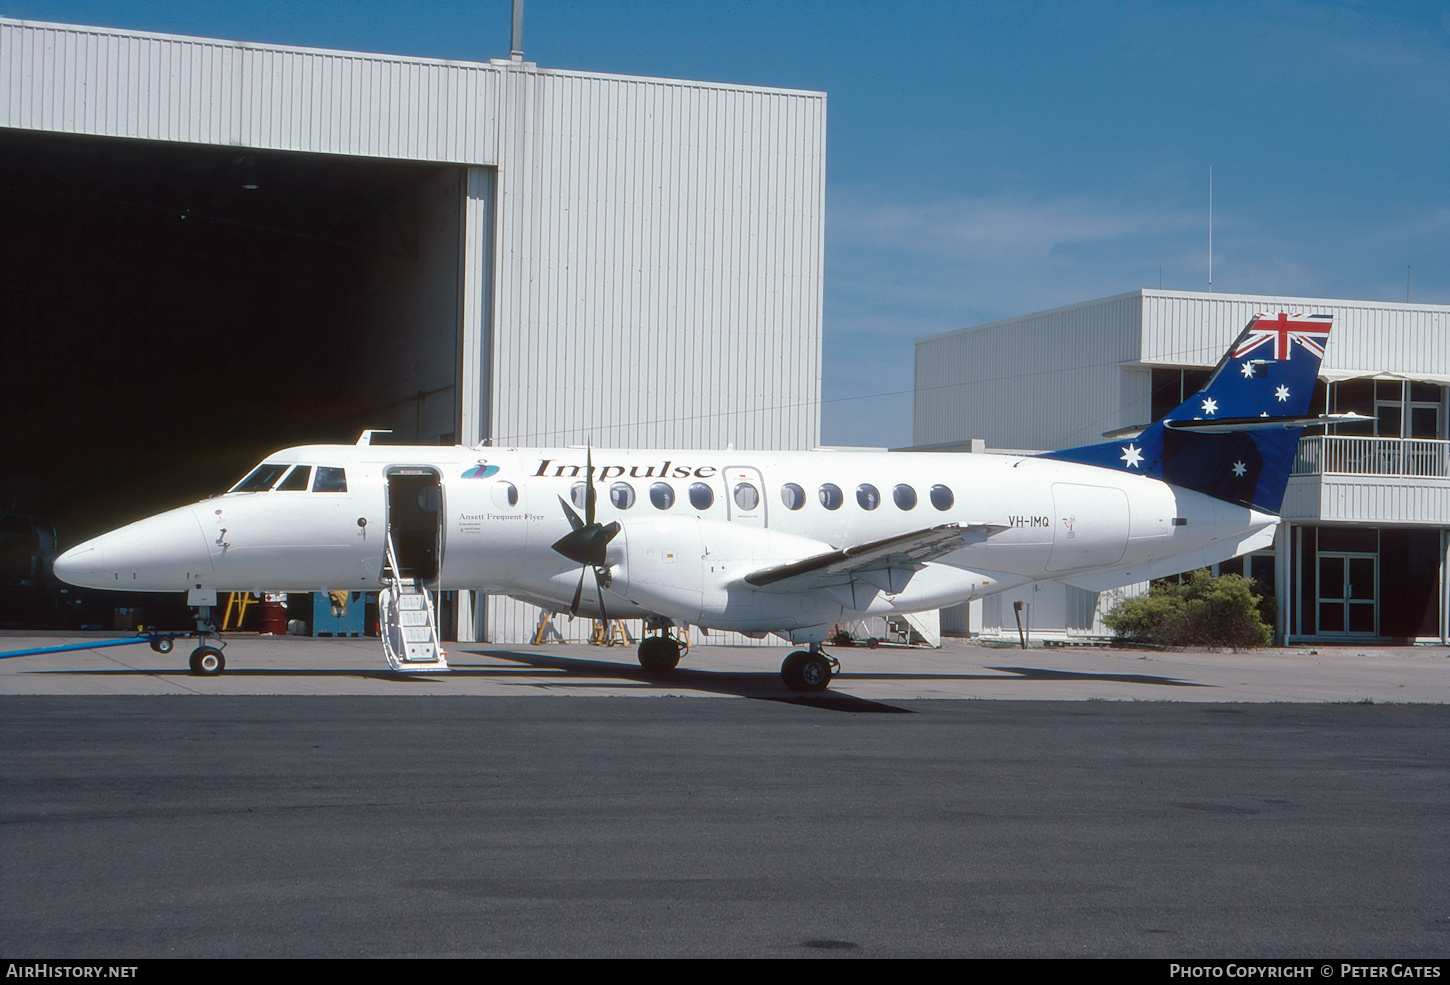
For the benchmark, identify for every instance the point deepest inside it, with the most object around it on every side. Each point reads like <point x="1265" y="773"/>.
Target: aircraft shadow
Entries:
<point x="1042" y="674"/>
<point x="758" y="686"/>
<point x="584" y="673"/>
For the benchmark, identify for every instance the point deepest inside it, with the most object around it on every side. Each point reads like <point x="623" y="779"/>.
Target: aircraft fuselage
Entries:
<point x="692" y="526"/>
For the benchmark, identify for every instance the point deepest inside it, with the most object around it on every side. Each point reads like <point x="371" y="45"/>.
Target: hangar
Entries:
<point x="1364" y="550"/>
<point x="214" y="249"/>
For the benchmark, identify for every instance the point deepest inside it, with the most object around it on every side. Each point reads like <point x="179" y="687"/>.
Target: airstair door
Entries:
<point x="745" y="495"/>
<point x="415" y="545"/>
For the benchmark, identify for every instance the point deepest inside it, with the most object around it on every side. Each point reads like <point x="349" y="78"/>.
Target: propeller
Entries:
<point x="588" y="542"/>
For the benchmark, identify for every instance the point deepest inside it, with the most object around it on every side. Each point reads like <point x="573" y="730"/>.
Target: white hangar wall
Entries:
<point x="626" y="261"/>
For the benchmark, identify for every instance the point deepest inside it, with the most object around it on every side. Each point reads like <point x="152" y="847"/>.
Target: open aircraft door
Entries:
<point x="414" y="558"/>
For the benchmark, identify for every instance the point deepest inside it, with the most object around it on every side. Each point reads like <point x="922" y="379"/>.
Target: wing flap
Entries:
<point x="905" y="550"/>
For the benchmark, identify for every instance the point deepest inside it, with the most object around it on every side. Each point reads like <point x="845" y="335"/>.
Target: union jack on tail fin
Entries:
<point x="1235" y="439"/>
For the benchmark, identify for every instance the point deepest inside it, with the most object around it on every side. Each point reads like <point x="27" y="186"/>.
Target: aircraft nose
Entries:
<point x="81" y="565"/>
<point x="162" y="553"/>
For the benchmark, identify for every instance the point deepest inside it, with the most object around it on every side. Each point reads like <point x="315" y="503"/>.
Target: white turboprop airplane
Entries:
<point x="789" y="543"/>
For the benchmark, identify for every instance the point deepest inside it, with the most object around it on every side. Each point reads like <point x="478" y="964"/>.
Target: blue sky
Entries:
<point x="993" y="159"/>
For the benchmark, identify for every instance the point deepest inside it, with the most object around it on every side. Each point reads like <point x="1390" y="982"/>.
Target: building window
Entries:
<point x="1172" y="387"/>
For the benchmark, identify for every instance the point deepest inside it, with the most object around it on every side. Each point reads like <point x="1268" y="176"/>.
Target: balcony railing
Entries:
<point x="1345" y="455"/>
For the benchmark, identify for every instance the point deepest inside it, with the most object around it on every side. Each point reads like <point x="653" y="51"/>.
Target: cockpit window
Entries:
<point x="261" y="478"/>
<point x="296" y="480"/>
<point x="330" y="480"/>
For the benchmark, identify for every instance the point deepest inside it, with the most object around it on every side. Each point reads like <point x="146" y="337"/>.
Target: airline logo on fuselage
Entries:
<point x="481" y="471"/>
<point x="603" y="473"/>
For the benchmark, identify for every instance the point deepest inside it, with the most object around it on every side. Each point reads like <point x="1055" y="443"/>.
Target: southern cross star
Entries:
<point x="1209" y="405"/>
<point x="1132" y="455"/>
<point x="1239" y="469"/>
<point x="1282" y="393"/>
<point x="1248" y="370"/>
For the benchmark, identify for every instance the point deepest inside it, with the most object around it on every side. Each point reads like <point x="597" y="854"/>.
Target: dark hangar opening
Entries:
<point x="174" y="312"/>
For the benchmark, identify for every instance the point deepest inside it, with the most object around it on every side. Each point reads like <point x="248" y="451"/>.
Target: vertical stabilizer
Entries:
<point x="1266" y="377"/>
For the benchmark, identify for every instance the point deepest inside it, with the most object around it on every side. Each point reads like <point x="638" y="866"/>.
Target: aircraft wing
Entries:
<point x="905" y="550"/>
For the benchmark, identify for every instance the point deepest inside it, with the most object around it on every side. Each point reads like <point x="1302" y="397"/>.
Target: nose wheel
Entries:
<point x="809" y="670"/>
<point x="207" y="661"/>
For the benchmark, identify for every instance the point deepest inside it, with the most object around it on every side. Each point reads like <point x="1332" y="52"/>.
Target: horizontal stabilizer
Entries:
<point x="913" y="549"/>
<point x="1230" y="425"/>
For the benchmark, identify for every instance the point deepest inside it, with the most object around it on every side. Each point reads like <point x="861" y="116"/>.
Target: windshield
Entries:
<point x="261" y="478"/>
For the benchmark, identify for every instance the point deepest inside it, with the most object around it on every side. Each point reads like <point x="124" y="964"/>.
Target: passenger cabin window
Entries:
<point x="662" y="495"/>
<point x="831" y="496"/>
<point x="793" y="496"/>
<point x="297" y="480"/>
<point x="261" y="478"/>
<point x="330" y="480"/>
<point x="867" y="497"/>
<point x="577" y="492"/>
<point x="621" y="494"/>
<point x="942" y="498"/>
<point x="747" y="497"/>
<point x="702" y="497"/>
<point x="904" y="497"/>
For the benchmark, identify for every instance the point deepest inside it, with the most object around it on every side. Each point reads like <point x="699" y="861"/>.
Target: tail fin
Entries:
<point x="1235" y="439"/>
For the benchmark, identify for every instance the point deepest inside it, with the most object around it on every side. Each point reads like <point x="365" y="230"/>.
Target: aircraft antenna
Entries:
<point x="1210" y="229"/>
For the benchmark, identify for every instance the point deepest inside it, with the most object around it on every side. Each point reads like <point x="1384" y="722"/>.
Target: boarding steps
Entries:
<point x="408" y="623"/>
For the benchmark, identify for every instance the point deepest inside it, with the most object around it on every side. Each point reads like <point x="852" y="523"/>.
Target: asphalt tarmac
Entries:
<point x="1106" y="804"/>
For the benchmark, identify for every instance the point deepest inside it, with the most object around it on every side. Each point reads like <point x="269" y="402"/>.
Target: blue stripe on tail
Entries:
<point x="1270" y="371"/>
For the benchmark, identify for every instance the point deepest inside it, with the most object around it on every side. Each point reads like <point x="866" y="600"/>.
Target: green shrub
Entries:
<point x="1200" y="611"/>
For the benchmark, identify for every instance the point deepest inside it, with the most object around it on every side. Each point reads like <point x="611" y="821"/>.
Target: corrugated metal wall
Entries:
<point x="89" y="80"/>
<point x="1049" y="380"/>
<point x="1369" y="336"/>
<point x="661" y="267"/>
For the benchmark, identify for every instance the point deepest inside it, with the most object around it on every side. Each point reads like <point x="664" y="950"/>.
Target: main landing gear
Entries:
<point x="661" y="654"/>
<point x="809" y="670"/>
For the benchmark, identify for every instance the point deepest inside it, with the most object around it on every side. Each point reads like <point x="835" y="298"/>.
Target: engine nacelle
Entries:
<point x="692" y="570"/>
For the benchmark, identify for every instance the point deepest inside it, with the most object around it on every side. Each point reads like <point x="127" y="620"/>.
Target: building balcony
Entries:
<point x="1343" y="479"/>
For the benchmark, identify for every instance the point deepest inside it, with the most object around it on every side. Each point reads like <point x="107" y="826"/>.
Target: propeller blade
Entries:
<point x="589" y="486"/>
<point x="573" y="517"/>
<point x="599" y="587"/>
<point x="574" y="606"/>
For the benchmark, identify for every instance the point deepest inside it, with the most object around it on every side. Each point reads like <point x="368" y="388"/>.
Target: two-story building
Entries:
<point x="1363" y="547"/>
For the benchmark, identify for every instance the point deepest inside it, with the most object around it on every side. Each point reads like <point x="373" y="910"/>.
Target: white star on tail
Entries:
<point x="1132" y="456"/>
<point x="1209" y="405"/>
<point x="1239" y="469"/>
<point x="1282" y="393"/>
<point x="1248" y="370"/>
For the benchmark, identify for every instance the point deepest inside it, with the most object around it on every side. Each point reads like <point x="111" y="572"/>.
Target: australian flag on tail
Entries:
<point x="1235" y="439"/>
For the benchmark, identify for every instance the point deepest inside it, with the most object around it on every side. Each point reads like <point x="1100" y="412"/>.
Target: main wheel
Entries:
<point x="207" y="661"/>
<point x="659" y="654"/>
<point x="815" y="672"/>
<point x="803" y="671"/>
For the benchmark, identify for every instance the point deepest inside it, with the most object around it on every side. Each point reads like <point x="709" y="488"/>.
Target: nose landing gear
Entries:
<point x="207" y="661"/>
